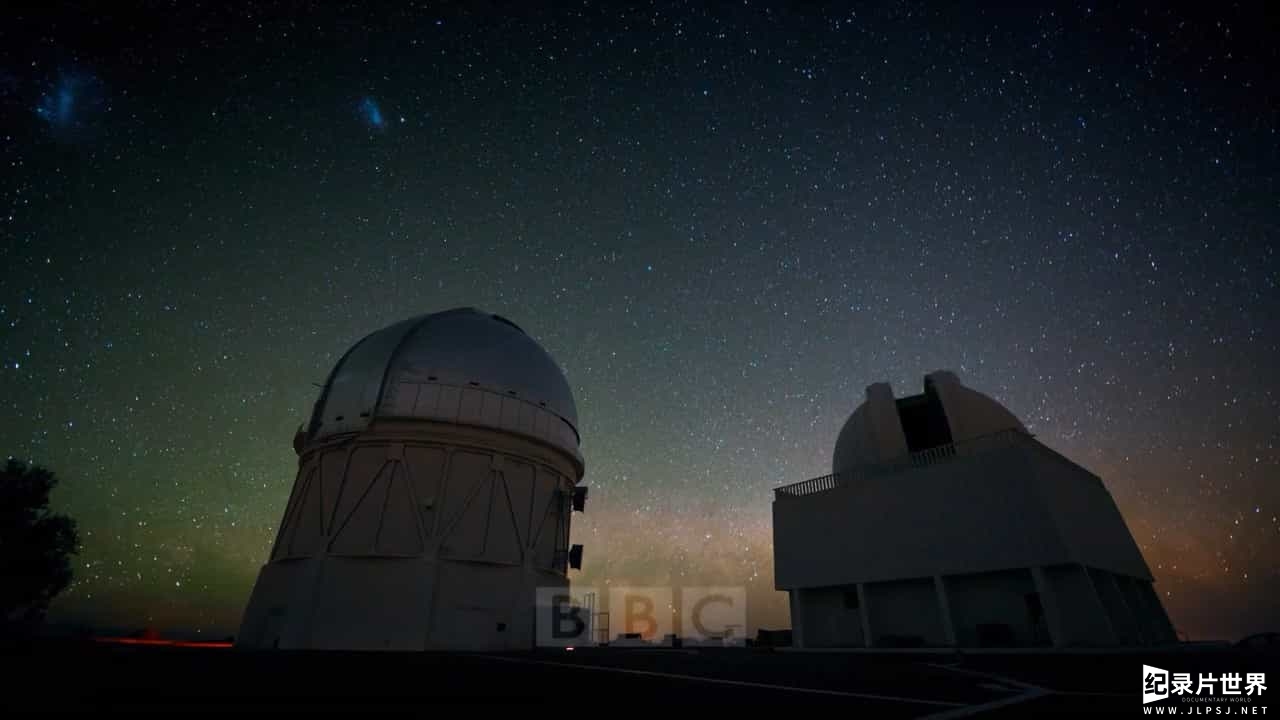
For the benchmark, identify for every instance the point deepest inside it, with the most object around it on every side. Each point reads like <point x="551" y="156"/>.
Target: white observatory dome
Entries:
<point x="883" y="428"/>
<point x="462" y="366"/>
<point x="433" y="499"/>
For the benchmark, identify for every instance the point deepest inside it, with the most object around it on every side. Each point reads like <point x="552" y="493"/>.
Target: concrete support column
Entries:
<point x="1052" y="609"/>
<point x="1160" y="627"/>
<point x="1128" y="610"/>
<point x="1102" y="606"/>
<point x="797" y="618"/>
<point x="864" y="614"/>
<point x="944" y="605"/>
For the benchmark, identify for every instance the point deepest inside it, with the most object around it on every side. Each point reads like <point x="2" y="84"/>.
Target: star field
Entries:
<point x="722" y="223"/>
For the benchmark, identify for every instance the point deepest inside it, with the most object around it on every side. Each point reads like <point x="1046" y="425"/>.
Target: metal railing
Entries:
<point x="923" y="458"/>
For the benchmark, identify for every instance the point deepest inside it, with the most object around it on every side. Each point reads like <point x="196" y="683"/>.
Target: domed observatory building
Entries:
<point x="946" y="524"/>
<point x="436" y="480"/>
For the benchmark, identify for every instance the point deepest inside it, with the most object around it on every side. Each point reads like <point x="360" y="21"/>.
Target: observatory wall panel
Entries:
<point x="502" y="544"/>
<point x="549" y="515"/>
<point x="1084" y="621"/>
<point x="471" y="406"/>
<point x="520" y="484"/>
<point x="467" y="629"/>
<point x="399" y="399"/>
<point x="491" y="410"/>
<point x="477" y="406"/>
<point x="372" y="604"/>
<point x="564" y="435"/>
<point x="287" y="523"/>
<point x="365" y="464"/>
<point x="428" y="402"/>
<point x="447" y="408"/>
<point x="541" y="425"/>
<point x="426" y="468"/>
<point x="987" y="607"/>
<point x="357" y="531"/>
<point x="968" y="514"/>
<point x="333" y="468"/>
<point x="307" y="536"/>
<point x="1162" y="630"/>
<point x="1123" y="622"/>
<point x="525" y="423"/>
<point x="828" y="618"/>
<point x="467" y="501"/>
<point x="399" y="533"/>
<point x="279" y="611"/>
<point x="474" y="606"/>
<point x="510" y="414"/>
<point x="1086" y="517"/>
<point x="1149" y="623"/>
<point x="905" y="613"/>
<point x="270" y="596"/>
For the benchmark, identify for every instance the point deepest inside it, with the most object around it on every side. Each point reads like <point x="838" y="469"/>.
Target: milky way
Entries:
<point x="722" y="225"/>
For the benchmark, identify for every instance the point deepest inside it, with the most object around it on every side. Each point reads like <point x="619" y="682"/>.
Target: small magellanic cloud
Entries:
<point x="371" y="113"/>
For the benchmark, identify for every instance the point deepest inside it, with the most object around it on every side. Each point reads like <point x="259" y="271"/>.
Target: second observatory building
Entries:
<point x="946" y="524"/>
<point x="436" y="480"/>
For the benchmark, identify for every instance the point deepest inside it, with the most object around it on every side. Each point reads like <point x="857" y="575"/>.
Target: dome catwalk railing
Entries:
<point x="923" y="458"/>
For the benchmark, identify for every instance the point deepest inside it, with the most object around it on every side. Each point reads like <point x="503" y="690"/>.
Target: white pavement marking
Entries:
<point x="968" y="710"/>
<point x="738" y="683"/>
<point x="989" y="676"/>
<point x="1029" y="692"/>
<point x="995" y="686"/>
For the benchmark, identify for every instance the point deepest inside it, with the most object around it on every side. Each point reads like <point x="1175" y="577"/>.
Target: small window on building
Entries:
<point x="502" y="627"/>
<point x="850" y="599"/>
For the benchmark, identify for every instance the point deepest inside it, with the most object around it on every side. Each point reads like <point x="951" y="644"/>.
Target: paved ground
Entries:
<point x="94" y="677"/>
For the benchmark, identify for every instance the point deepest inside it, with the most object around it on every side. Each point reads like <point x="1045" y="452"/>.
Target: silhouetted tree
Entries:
<point x="36" y="546"/>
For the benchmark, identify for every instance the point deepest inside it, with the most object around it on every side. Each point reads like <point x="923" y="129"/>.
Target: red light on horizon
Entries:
<point x="163" y="643"/>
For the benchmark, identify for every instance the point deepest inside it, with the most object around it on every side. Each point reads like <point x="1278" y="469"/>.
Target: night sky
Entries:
<point x="723" y="224"/>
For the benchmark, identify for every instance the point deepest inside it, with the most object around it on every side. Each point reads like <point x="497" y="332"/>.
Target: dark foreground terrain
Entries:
<point x="96" y="677"/>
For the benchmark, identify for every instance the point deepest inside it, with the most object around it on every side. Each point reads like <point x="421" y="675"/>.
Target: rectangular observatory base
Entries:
<point x="1015" y="546"/>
